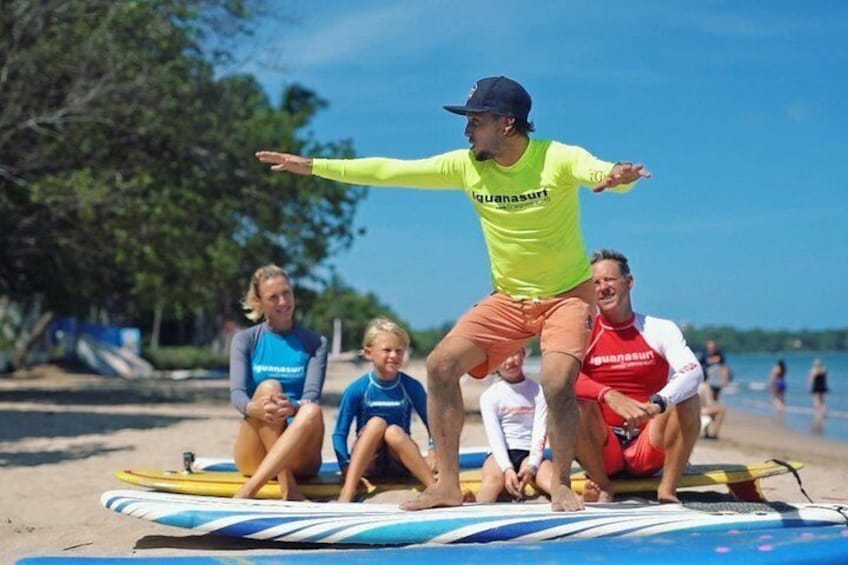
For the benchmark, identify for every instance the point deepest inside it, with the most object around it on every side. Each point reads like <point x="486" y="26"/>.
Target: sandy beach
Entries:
<point x="63" y="436"/>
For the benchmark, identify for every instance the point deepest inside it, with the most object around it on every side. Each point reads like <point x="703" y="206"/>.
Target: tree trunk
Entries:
<point x="23" y="348"/>
<point x="157" y="325"/>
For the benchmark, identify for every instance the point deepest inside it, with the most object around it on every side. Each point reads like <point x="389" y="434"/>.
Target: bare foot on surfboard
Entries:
<point x="666" y="495"/>
<point x="594" y="493"/>
<point x="435" y="496"/>
<point x="563" y="499"/>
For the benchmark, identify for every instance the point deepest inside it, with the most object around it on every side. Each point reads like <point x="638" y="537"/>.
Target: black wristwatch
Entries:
<point x="659" y="401"/>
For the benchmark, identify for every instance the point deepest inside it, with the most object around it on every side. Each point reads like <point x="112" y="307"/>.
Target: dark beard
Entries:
<point x="483" y="156"/>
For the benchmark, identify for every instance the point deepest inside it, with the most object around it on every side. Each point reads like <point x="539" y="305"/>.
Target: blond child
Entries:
<point x="381" y="402"/>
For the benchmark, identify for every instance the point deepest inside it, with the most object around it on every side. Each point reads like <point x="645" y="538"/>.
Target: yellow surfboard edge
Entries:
<point x="225" y="484"/>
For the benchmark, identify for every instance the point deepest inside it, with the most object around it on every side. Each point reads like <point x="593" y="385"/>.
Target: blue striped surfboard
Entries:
<point x="385" y="524"/>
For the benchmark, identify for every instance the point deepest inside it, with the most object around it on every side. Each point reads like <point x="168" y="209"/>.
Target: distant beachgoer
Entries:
<point x="777" y="385"/>
<point x="716" y="371"/>
<point x="382" y="402"/>
<point x="526" y="192"/>
<point x="638" y="390"/>
<point x="818" y="385"/>
<point x="515" y="417"/>
<point x="712" y="412"/>
<point x="277" y="371"/>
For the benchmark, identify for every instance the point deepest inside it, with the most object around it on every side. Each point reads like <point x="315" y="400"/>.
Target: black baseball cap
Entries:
<point x="498" y="95"/>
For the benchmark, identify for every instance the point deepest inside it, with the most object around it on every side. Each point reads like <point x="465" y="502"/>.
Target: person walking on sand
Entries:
<point x="777" y="385"/>
<point x="277" y="371"/>
<point x="817" y="379"/>
<point x="716" y="371"/>
<point x="526" y="194"/>
<point x="638" y="390"/>
<point x="382" y="402"/>
<point x="515" y="421"/>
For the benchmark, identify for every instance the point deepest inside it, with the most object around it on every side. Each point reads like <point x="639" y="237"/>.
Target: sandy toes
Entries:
<point x="434" y="497"/>
<point x="563" y="499"/>
<point x="594" y="493"/>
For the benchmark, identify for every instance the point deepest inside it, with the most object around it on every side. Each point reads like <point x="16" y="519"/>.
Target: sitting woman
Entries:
<point x="277" y="371"/>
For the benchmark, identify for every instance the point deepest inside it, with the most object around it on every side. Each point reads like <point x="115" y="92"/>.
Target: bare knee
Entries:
<point x="375" y="425"/>
<point x="442" y="368"/>
<point x="310" y="414"/>
<point x="689" y="414"/>
<point x="395" y="435"/>
<point x="268" y="387"/>
<point x="559" y="373"/>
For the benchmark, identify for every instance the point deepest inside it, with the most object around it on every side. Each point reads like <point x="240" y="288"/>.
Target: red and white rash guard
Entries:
<point x="639" y="358"/>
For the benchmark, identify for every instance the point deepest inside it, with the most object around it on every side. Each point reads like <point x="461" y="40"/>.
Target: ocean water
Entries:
<point x="749" y="391"/>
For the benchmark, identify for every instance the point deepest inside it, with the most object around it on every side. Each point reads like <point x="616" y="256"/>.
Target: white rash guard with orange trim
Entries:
<point x="515" y="417"/>
<point x="642" y="357"/>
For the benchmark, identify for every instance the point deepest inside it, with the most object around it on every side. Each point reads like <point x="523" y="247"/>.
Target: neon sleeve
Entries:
<point x="438" y="172"/>
<point x="316" y="372"/>
<point x="588" y="170"/>
<point x="492" y="427"/>
<point x="351" y="399"/>
<point x="240" y="370"/>
<point x="540" y="430"/>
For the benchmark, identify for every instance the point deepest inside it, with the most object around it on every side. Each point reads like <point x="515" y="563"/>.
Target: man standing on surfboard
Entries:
<point x="637" y="390"/>
<point x="526" y="194"/>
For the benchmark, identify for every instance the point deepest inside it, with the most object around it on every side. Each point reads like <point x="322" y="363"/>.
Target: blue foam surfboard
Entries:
<point x="785" y="546"/>
<point x="385" y="524"/>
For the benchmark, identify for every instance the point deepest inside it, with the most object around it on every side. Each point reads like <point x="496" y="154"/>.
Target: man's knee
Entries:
<point x="442" y="367"/>
<point x="689" y="415"/>
<point x="559" y="373"/>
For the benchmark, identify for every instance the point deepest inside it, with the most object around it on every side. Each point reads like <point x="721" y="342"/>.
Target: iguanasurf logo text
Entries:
<point x="514" y="201"/>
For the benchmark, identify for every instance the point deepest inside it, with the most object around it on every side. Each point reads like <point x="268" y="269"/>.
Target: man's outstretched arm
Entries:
<point x="622" y="174"/>
<point x="286" y="162"/>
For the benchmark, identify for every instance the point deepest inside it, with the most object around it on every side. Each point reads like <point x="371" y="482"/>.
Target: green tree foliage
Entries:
<point x="734" y="340"/>
<point x="355" y="310"/>
<point x="127" y="176"/>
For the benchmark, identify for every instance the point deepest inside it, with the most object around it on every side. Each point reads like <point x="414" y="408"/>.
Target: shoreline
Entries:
<point x="64" y="435"/>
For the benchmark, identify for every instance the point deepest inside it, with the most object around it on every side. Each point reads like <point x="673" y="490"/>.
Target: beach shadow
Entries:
<point x="19" y="424"/>
<point x="215" y="542"/>
<point x="121" y="392"/>
<point x="31" y="459"/>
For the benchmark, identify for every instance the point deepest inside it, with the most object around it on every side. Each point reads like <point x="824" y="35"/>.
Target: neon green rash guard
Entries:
<point x="529" y="211"/>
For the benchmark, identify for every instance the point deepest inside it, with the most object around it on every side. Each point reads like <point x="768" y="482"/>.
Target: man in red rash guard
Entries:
<point x="637" y="390"/>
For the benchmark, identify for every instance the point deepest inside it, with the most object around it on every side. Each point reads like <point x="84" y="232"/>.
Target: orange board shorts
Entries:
<point x="502" y="325"/>
<point x="639" y="458"/>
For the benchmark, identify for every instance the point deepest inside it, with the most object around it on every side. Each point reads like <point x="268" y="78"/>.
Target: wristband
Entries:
<point x="603" y="393"/>
<point x="659" y="401"/>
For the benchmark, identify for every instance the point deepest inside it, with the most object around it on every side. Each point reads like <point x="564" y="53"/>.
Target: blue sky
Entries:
<point x="738" y="108"/>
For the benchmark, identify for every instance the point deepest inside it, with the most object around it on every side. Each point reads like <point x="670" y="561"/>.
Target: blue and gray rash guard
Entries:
<point x="297" y="359"/>
<point x="367" y="397"/>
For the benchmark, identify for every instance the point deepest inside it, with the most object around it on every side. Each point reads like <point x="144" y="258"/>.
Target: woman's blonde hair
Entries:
<point x="251" y="303"/>
<point x="383" y="325"/>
